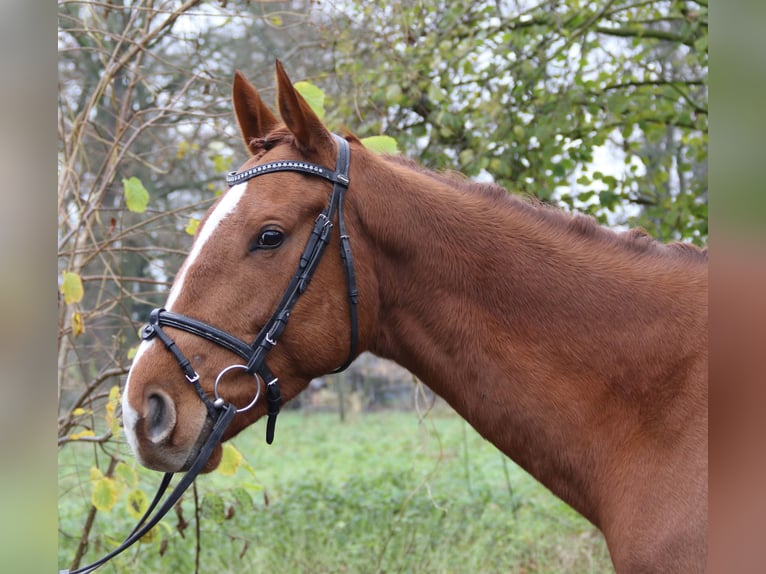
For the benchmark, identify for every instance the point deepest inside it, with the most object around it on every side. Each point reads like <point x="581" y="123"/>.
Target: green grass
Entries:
<point x="382" y="492"/>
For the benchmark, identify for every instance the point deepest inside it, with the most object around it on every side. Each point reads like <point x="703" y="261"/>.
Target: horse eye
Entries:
<point x="269" y="239"/>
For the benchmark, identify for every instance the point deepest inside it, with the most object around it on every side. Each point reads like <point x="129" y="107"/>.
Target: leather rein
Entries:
<point x="220" y="412"/>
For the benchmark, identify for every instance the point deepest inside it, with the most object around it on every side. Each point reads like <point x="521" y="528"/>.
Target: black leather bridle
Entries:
<point x="254" y="354"/>
<point x="220" y="412"/>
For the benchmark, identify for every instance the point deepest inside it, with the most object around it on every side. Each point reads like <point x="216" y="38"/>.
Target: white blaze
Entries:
<point x="226" y="206"/>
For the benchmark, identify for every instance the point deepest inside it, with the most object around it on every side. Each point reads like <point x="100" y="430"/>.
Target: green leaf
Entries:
<point x="104" y="494"/>
<point x="381" y="144"/>
<point x="126" y="475"/>
<point x="435" y="93"/>
<point x="393" y="93"/>
<point x="136" y="196"/>
<point x="607" y="198"/>
<point x="313" y="95"/>
<point x="230" y="460"/>
<point x="466" y="156"/>
<point x="71" y="287"/>
<point x="213" y="507"/>
<point x="243" y="498"/>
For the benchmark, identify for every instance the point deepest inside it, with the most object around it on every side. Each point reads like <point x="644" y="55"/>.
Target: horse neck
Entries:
<point x="545" y="340"/>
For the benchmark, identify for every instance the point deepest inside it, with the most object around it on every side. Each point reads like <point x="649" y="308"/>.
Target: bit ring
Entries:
<point x="219" y="401"/>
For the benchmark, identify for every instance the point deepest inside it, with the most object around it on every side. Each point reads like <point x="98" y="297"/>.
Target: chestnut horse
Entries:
<point x="579" y="352"/>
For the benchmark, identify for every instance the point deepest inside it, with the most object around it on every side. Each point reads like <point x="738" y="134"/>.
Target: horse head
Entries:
<point x="239" y="271"/>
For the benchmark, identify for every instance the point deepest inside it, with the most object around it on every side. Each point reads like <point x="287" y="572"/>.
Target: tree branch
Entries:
<point x="642" y="32"/>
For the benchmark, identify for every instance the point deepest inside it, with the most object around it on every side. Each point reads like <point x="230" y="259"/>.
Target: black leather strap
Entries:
<point x="199" y="328"/>
<point x="348" y="266"/>
<point x="145" y="524"/>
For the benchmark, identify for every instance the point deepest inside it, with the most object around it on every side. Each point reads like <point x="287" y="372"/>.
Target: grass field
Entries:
<point x="380" y="493"/>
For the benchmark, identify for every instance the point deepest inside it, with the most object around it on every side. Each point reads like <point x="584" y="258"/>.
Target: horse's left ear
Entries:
<point x="311" y="136"/>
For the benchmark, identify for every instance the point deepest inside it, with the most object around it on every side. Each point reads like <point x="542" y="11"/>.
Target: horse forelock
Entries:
<point x="278" y="136"/>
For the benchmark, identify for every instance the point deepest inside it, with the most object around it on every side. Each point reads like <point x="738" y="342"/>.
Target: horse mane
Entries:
<point x="636" y="240"/>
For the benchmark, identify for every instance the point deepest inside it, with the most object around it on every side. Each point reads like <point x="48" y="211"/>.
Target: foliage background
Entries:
<point x="594" y="106"/>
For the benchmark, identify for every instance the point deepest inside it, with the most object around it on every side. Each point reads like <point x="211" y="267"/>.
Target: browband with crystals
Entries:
<point x="233" y="177"/>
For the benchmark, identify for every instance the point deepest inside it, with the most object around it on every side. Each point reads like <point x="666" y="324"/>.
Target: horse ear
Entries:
<point x="254" y="118"/>
<point x="310" y="133"/>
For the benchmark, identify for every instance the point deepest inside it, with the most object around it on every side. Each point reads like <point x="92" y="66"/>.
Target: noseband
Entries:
<point x="254" y="354"/>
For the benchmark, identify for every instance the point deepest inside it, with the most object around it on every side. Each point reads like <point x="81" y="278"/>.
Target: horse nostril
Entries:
<point x="160" y="417"/>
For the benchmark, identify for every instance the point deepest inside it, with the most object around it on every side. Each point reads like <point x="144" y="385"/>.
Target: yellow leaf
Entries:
<point x="104" y="494"/>
<point x="95" y="474"/>
<point x="150" y="536"/>
<point x="221" y="163"/>
<point x="132" y="352"/>
<point x="77" y="325"/>
<point x="230" y="460"/>
<point x="81" y="434"/>
<point x="137" y="503"/>
<point x="79" y="411"/>
<point x="71" y="287"/>
<point x="183" y="147"/>
<point x="112" y="421"/>
<point x="192" y="226"/>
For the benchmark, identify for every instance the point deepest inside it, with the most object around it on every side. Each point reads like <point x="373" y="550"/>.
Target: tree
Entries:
<point x="145" y="136"/>
<point x="527" y="95"/>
